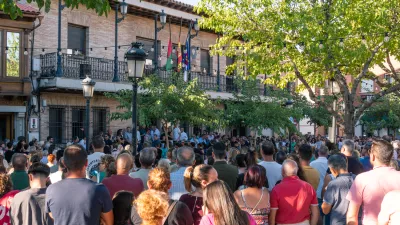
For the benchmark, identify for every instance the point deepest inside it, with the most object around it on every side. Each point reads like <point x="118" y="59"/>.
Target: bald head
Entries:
<point x="289" y="168"/>
<point x="124" y="163"/>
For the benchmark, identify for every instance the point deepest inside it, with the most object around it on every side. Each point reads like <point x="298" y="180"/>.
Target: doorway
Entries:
<point x="6" y="126"/>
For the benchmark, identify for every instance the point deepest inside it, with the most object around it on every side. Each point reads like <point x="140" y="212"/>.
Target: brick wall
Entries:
<point x="77" y="100"/>
<point x="101" y="33"/>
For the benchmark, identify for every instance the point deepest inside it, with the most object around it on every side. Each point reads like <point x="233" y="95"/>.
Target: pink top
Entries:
<point x="209" y="220"/>
<point x="370" y="188"/>
<point x="390" y="208"/>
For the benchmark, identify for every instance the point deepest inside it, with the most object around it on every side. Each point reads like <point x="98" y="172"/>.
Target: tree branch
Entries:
<point x="365" y="68"/>
<point x="392" y="69"/>
<point x="377" y="96"/>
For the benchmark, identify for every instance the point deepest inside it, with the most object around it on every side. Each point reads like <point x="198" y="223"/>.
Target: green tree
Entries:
<point x="311" y="41"/>
<point x="100" y="6"/>
<point x="170" y="101"/>
<point x="383" y="114"/>
<point x="249" y="108"/>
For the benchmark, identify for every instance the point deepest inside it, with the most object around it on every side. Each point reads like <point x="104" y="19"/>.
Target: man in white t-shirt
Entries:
<point x="94" y="159"/>
<point x="183" y="136"/>
<point x="274" y="169"/>
<point x="177" y="132"/>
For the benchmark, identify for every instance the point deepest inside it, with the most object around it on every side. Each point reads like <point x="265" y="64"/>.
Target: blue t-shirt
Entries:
<point x="77" y="201"/>
<point x="366" y="163"/>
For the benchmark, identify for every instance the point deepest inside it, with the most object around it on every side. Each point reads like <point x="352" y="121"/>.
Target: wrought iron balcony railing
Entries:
<point x="76" y="67"/>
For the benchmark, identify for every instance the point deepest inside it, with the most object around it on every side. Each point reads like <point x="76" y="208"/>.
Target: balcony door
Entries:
<point x="6" y="126"/>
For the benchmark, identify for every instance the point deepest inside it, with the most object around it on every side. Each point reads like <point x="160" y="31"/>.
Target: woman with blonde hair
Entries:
<point x="178" y="212"/>
<point x="222" y="208"/>
<point x="198" y="177"/>
<point x="152" y="207"/>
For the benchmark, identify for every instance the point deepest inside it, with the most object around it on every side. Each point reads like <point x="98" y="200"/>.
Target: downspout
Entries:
<point x="35" y="91"/>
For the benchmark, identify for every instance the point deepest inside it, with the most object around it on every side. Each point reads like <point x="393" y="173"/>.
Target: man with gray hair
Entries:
<point x="184" y="158"/>
<point x="146" y="159"/>
<point x="335" y="201"/>
<point x="354" y="165"/>
<point x="292" y="200"/>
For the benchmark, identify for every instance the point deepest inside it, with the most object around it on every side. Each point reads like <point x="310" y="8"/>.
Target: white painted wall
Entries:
<point x="305" y="127"/>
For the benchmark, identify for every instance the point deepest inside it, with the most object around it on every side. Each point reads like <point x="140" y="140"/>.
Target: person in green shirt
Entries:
<point x="19" y="177"/>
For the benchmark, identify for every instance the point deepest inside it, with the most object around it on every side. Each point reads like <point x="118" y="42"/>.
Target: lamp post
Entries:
<point x="88" y="89"/>
<point x="163" y="20"/>
<point x="289" y="105"/>
<point x="334" y="90"/>
<point x="124" y="11"/>
<point x="136" y="58"/>
<point x="194" y="26"/>
<point x="59" y="71"/>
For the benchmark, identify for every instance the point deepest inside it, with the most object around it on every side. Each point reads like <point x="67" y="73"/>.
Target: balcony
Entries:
<point x="76" y="67"/>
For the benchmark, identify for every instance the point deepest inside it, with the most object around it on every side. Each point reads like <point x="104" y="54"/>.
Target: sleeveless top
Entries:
<point x="259" y="215"/>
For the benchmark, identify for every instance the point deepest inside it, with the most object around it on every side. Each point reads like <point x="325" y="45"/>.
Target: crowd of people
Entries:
<point x="207" y="179"/>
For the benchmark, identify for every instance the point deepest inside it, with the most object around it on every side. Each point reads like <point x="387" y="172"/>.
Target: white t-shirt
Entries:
<point x="183" y="137"/>
<point x="177" y="131"/>
<point x="55" y="177"/>
<point x="274" y="173"/>
<point x="93" y="163"/>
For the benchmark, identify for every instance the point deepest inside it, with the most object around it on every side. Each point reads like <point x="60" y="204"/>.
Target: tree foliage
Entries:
<point x="383" y="114"/>
<point x="102" y="7"/>
<point x="170" y="101"/>
<point x="311" y="41"/>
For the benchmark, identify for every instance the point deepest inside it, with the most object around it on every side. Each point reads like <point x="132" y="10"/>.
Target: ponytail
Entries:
<point x="187" y="178"/>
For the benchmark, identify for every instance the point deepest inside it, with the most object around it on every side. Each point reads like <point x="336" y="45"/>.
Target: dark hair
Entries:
<point x="280" y="157"/>
<point x="75" y="157"/>
<point x="49" y="137"/>
<point x="255" y="176"/>
<point x="34" y="159"/>
<point x="19" y="161"/>
<point x="107" y="150"/>
<point x="383" y="151"/>
<point x="251" y="158"/>
<point x="267" y="148"/>
<point x="9" y="145"/>
<point x="219" y="150"/>
<point x="59" y="155"/>
<point x="305" y="152"/>
<point x="210" y="161"/>
<point x="39" y="168"/>
<point x="98" y="142"/>
<point x="19" y="147"/>
<point x="240" y="160"/>
<point x="122" y="205"/>
<point x="198" y="159"/>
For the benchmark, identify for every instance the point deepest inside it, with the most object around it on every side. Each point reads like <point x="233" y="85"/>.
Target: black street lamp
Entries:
<point x="59" y="71"/>
<point x="163" y="20"/>
<point x="289" y="104"/>
<point x="194" y="26"/>
<point x="88" y="89"/>
<point x="124" y="11"/>
<point x="136" y="58"/>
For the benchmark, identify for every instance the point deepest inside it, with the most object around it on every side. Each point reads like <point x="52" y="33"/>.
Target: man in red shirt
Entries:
<point x="122" y="181"/>
<point x="293" y="199"/>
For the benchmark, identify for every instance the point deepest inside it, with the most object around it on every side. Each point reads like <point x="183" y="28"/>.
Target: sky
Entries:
<point x="191" y="2"/>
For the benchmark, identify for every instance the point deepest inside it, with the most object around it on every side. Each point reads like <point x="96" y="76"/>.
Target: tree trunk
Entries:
<point x="165" y="126"/>
<point x="349" y="125"/>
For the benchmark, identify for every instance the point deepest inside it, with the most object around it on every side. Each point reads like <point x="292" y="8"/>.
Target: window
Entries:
<point x="13" y="62"/>
<point x="205" y="61"/>
<point x="99" y="121"/>
<point x="77" y="38"/>
<point x="148" y="44"/>
<point x="57" y="124"/>
<point x="229" y="61"/>
<point x="388" y="78"/>
<point x="367" y="86"/>
<point x="78" y="122"/>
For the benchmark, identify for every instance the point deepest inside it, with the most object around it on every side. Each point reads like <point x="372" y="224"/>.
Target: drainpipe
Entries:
<point x="35" y="91"/>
